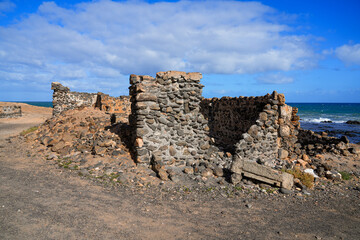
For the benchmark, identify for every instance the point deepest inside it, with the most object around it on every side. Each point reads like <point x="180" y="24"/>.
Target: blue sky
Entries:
<point x="309" y="50"/>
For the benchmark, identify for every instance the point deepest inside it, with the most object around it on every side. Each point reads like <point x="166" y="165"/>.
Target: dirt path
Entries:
<point x="31" y="116"/>
<point x="40" y="201"/>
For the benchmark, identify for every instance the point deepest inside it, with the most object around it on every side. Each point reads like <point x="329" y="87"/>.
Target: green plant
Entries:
<point x="345" y="175"/>
<point x="112" y="176"/>
<point x="65" y="163"/>
<point x="238" y="188"/>
<point x="186" y="189"/>
<point x="270" y="190"/>
<point x="209" y="189"/>
<point x="305" y="178"/>
<point x="30" y="130"/>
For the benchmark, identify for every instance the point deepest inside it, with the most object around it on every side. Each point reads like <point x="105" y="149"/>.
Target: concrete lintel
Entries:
<point x="262" y="173"/>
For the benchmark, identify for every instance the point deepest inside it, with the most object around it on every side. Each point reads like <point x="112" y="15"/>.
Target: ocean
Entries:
<point x="40" y="104"/>
<point x="318" y="117"/>
<point x="330" y="118"/>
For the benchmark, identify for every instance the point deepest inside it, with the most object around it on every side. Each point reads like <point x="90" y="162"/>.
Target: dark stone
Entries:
<point x="353" y="122"/>
<point x="285" y="191"/>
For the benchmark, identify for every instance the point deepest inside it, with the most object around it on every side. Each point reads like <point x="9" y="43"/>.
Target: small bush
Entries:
<point x="345" y="175"/>
<point x="30" y="130"/>
<point x="305" y="178"/>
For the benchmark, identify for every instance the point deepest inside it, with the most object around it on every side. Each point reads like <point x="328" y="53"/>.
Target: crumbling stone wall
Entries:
<point x="173" y="124"/>
<point x="119" y="107"/>
<point x="166" y="118"/>
<point x="64" y="100"/>
<point x="230" y="117"/>
<point x="10" y="111"/>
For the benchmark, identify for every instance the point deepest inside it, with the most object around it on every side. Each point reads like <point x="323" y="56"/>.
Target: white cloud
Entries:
<point x="349" y="54"/>
<point x="6" y="6"/>
<point x="274" y="78"/>
<point x="103" y="41"/>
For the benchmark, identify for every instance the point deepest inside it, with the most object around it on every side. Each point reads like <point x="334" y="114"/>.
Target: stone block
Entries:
<point x="261" y="173"/>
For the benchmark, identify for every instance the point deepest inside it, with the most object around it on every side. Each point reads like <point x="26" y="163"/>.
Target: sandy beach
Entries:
<point x="31" y="116"/>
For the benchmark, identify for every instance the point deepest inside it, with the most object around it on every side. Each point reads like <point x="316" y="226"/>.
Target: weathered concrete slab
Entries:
<point x="261" y="173"/>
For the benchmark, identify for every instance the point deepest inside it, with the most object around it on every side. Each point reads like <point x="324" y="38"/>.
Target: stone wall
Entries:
<point x="230" y="117"/>
<point x="173" y="124"/>
<point x="119" y="107"/>
<point x="64" y="99"/>
<point x="10" y="111"/>
<point x="166" y="118"/>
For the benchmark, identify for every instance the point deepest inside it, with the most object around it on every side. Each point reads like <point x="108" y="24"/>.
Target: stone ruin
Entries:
<point x="64" y="99"/>
<point x="10" y="111"/>
<point x="173" y="126"/>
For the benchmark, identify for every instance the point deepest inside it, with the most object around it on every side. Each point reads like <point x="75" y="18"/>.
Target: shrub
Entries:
<point x="305" y="178"/>
<point x="345" y="175"/>
<point x="30" y="130"/>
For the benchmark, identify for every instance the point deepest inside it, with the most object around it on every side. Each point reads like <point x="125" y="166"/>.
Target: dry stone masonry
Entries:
<point x="64" y="99"/>
<point x="10" y="111"/>
<point x="167" y="121"/>
<point x="171" y="126"/>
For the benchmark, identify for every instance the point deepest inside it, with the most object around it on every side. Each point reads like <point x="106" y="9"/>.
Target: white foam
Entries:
<point x="320" y="120"/>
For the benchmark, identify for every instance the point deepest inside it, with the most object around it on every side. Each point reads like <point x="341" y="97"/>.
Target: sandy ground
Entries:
<point x="40" y="200"/>
<point x="32" y="116"/>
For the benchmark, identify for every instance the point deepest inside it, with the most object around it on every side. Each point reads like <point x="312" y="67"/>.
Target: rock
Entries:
<point x="218" y="172"/>
<point x="51" y="156"/>
<point x="355" y="150"/>
<point x="189" y="170"/>
<point x="333" y="175"/>
<point x="236" y="178"/>
<point x="286" y="191"/>
<point x="263" y="116"/>
<point x="344" y="139"/>
<point x="283" y="154"/>
<point x="305" y="158"/>
<point x="284" y="131"/>
<point x="353" y="122"/>
<point x="163" y="175"/>
<point x="139" y="142"/>
<point x="84" y="172"/>
<point x="305" y="192"/>
<point x="107" y="143"/>
<point x="248" y="205"/>
<point x="99" y="150"/>
<point x="281" y="99"/>
<point x="58" y="146"/>
<point x="311" y="172"/>
<point x="172" y="151"/>
<point x="207" y="172"/>
<point x="302" y="162"/>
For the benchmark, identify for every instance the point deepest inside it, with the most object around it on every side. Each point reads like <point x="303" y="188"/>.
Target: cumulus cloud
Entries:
<point x="274" y="78"/>
<point x="349" y="54"/>
<point x="103" y="41"/>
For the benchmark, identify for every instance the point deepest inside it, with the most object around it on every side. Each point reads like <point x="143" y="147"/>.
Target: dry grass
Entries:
<point x="30" y="130"/>
<point x="305" y="178"/>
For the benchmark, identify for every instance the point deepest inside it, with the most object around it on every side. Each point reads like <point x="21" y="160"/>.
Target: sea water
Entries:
<point x="330" y="118"/>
